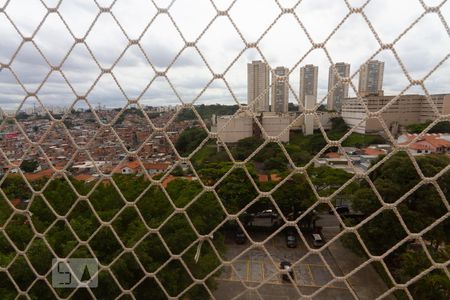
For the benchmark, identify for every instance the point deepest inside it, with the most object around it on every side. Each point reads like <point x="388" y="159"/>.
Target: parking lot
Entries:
<point x="255" y="266"/>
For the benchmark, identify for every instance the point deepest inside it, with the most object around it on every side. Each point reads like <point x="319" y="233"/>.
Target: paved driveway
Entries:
<point x="256" y="266"/>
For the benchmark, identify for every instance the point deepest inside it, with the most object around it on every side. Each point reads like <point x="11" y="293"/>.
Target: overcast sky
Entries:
<point x="285" y="44"/>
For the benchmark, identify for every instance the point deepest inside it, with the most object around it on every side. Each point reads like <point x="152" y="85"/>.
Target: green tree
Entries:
<point x="183" y="191"/>
<point x="29" y="166"/>
<point x="15" y="187"/>
<point x="327" y="180"/>
<point x="393" y="179"/>
<point x="206" y="111"/>
<point x="154" y="206"/>
<point x="299" y="156"/>
<point x="295" y="195"/>
<point x="245" y="147"/>
<point x="440" y="127"/>
<point x="338" y="124"/>
<point x="434" y="285"/>
<point x="236" y="191"/>
<point x="411" y="263"/>
<point x="178" y="171"/>
<point x="210" y="173"/>
<point x="189" y="140"/>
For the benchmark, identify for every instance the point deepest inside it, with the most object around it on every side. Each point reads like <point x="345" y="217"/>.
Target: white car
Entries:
<point x="317" y="240"/>
<point x="266" y="213"/>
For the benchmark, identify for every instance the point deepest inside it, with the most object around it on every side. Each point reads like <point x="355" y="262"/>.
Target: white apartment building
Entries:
<point x="404" y="111"/>
<point x="232" y="128"/>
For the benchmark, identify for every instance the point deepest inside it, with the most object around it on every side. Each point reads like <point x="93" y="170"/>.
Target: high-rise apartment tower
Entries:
<point x="371" y="78"/>
<point x="258" y="93"/>
<point x="308" y="82"/>
<point x="280" y="90"/>
<point x="337" y="91"/>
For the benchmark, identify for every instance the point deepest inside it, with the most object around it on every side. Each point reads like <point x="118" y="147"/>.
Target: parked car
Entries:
<point x="291" y="239"/>
<point x="240" y="237"/>
<point x="341" y="209"/>
<point x="287" y="268"/>
<point x="266" y="214"/>
<point x="317" y="240"/>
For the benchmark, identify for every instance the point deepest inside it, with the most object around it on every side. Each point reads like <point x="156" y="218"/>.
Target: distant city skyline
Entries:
<point x="268" y="90"/>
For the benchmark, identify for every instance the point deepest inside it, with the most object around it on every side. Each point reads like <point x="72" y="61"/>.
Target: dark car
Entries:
<point x="291" y="239"/>
<point x="286" y="268"/>
<point x="240" y="237"/>
<point x="341" y="209"/>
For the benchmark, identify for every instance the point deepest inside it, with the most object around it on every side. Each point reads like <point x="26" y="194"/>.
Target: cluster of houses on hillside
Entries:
<point x="351" y="158"/>
<point x="84" y="147"/>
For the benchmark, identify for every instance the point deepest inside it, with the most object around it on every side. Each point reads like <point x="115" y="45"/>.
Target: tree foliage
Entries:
<point x="440" y="127"/>
<point x="189" y="140"/>
<point x="29" y="166"/>
<point x="236" y="191"/>
<point x="294" y="196"/>
<point x="154" y="207"/>
<point x="338" y="124"/>
<point x="393" y="179"/>
<point x="206" y="111"/>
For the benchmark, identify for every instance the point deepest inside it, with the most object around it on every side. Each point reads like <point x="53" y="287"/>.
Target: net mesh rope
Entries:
<point x="202" y="239"/>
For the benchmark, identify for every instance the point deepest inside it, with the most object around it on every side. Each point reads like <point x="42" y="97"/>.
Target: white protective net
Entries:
<point x="156" y="236"/>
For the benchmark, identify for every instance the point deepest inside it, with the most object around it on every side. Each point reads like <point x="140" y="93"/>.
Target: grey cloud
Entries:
<point x="26" y="15"/>
<point x="53" y="39"/>
<point x="353" y="43"/>
<point x="78" y="14"/>
<point x="11" y="95"/>
<point x="106" y="40"/>
<point x="157" y="96"/>
<point x="29" y="66"/>
<point x="161" y="57"/>
<point x="79" y="60"/>
<point x="10" y="40"/>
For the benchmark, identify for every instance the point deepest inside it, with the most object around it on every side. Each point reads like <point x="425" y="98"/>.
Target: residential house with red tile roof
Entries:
<point x="427" y="144"/>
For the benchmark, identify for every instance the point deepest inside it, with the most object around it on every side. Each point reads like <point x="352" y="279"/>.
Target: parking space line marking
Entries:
<point x="252" y="260"/>
<point x="301" y="285"/>
<point x="261" y="265"/>
<point x="248" y="270"/>
<point x="231" y="274"/>
<point x="315" y="265"/>
<point x="271" y="296"/>
<point x="297" y="276"/>
<point x="311" y="274"/>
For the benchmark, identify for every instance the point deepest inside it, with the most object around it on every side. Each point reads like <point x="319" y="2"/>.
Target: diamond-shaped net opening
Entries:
<point x="128" y="136"/>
